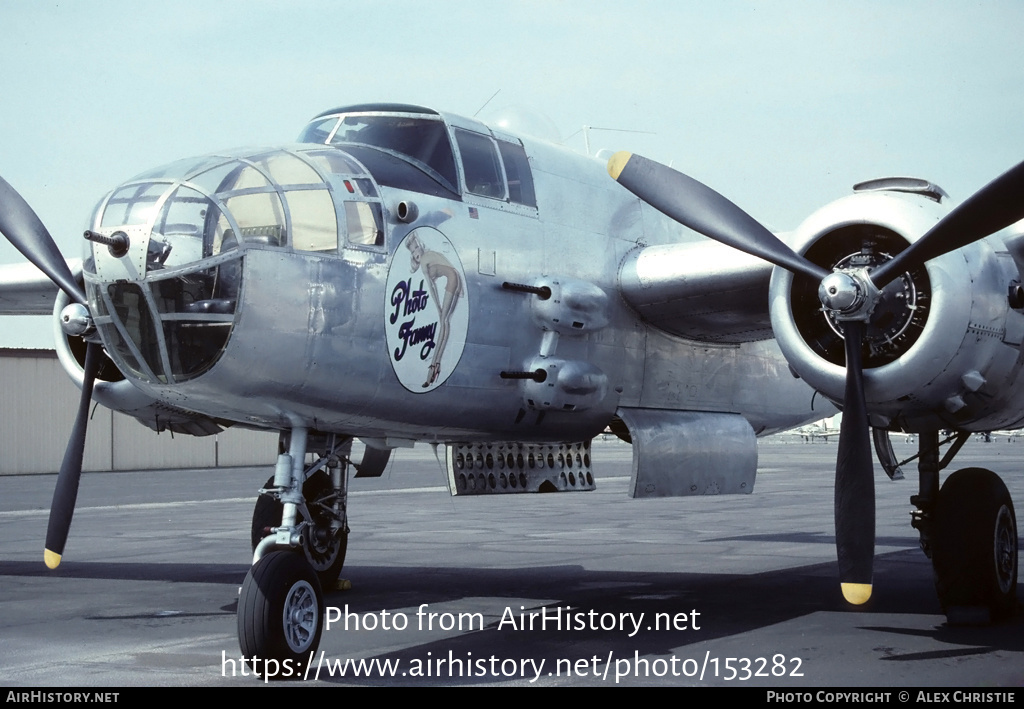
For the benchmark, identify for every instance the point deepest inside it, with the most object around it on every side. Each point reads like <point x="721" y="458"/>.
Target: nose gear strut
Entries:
<point x="300" y="536"/>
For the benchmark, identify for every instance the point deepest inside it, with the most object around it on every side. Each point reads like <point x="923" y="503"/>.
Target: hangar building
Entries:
<point x="38" y="409"/>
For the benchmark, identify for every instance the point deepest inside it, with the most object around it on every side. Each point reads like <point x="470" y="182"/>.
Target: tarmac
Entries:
<point x="700" y="591"/>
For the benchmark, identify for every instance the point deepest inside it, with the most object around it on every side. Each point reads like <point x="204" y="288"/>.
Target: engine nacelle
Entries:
<point x="942" y="346"/>
<point x="117" y="393"/>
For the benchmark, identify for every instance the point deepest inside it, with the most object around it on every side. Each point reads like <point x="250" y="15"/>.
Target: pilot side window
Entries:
<point x="480" y="164"/>
<point x="517" y="169"/>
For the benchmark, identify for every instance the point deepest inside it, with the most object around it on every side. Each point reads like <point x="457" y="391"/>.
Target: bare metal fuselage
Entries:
<point x="308" y="340"/>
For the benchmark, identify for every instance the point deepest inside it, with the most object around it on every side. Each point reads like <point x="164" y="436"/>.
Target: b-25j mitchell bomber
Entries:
<point x="400" y="274"/>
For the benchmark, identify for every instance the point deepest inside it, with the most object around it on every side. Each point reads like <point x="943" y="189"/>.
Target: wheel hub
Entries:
<point x="1005" y="549"/>
<point x="300" y="615"/>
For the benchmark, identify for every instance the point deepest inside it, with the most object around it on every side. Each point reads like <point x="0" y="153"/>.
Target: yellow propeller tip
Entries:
<point x="857" y="593"/>
<point x="51" y="558"/>
<point x="617" y="163"/>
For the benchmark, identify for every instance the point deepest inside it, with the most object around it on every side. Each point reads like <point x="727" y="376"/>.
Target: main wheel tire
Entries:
<point x="975" y="545"/>
<point x="280" y="613"/>
<point x="325" y="553"/>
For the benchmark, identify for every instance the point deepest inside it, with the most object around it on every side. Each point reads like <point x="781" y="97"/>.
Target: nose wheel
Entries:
<point x="280" y="614"/>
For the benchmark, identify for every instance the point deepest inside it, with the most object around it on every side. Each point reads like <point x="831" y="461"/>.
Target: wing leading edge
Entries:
<point x="25" y="290"/>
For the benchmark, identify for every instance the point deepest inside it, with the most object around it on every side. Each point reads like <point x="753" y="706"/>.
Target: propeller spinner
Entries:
<point x="26" y="232"/>
<point x="848" y="295"/>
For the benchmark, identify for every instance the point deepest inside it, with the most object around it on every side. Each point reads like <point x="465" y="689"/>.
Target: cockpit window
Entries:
<point x="319" y="131"/>
<point x="480" y="164"/>
<point x="423" y="141"/>
<point x="517" y="170"/>
<point x="483" y="171"/>
<point x="496" y="167"/>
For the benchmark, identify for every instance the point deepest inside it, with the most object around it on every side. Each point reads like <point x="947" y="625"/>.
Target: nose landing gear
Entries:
<point x="323" y="547"/>
<point x="300" y="536"/>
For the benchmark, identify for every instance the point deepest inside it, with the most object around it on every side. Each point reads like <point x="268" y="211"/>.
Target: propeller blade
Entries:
<point x="855" y="483"/>
<point x="66" y="492"/>
<point x="700" y="208"/>
<point x="26" y="232"/>
<point x="998" y="204"/>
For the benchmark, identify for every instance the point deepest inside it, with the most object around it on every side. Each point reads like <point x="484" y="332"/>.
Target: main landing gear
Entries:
<point x="969" y="530"/>
<point x="299" y="536"/>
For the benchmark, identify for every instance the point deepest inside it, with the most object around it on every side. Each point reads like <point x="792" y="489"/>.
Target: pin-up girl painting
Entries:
<point x="435" y="266"/>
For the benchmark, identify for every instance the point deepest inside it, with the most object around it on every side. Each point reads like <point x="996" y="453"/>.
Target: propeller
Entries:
<point x="850" y="296"/>
<point x="66" y="491"/>
<point x="995" y="206"/>
<point x="855" y="482"/>
<point x="702" y="209"/>
<point x="26" y="232"/>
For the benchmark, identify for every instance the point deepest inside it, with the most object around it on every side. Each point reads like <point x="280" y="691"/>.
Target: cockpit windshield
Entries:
<point x="419" y="139"/>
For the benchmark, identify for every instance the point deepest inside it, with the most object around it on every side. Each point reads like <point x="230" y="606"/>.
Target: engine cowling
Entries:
<point x="942" y="344"/>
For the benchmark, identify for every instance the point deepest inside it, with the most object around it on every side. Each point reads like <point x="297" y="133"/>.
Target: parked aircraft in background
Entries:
<point x="823" y="430"/>
<point x="401" y="274"/>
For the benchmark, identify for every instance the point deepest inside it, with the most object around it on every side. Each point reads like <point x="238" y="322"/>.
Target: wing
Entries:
<point x="25" y="290"/>
<point x="701" y="290"/>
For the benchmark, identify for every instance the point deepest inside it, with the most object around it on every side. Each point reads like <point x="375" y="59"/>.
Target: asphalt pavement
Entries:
<point x="583" y="588"/>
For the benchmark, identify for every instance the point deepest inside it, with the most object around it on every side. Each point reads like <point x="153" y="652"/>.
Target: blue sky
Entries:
<point x="781" y="106"/>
